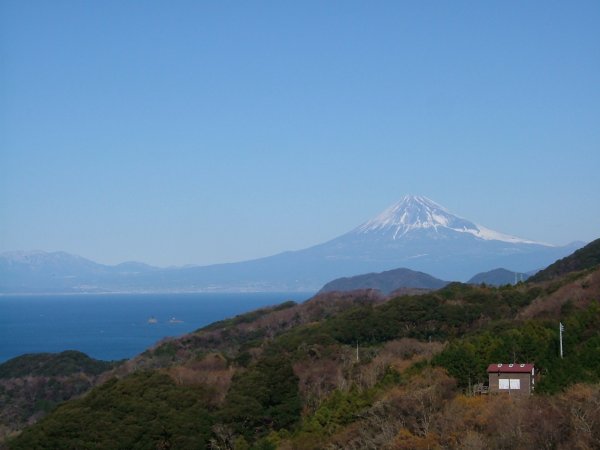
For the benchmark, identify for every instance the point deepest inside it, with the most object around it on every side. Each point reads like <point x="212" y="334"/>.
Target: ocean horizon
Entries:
<point x="116" y="326"/>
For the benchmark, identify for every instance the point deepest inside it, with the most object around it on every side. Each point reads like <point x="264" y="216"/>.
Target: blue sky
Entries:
<point x="204" y="132"/>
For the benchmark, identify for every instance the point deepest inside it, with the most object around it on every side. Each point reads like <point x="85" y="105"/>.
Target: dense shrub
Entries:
<point x="146" y="410"/>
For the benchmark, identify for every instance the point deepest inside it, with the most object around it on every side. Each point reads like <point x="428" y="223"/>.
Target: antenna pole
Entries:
<point x="561" y="328"/>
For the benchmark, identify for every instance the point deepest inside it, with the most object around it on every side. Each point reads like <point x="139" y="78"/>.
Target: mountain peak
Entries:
<point x="415" y="212"/>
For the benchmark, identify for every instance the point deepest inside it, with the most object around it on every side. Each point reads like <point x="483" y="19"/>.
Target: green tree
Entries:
<point x="263" y="398"/>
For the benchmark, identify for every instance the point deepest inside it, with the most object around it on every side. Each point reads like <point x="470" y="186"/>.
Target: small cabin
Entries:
<point x="511" y="378"/>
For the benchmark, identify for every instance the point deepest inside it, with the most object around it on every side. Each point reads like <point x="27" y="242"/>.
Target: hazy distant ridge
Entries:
<point x="415" y="233"/>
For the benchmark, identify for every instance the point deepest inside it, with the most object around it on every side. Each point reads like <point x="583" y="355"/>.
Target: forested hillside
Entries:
<point x="585" y="258"/>
<point x="386" y="282"/>
<point x="357" y="370"/>
<point x="32" y="385"/>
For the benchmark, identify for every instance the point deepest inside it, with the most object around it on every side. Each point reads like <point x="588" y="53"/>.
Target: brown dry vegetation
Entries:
<point x="579" y="293"/>
<point x="427" y="413"/>
<point x="402" y="353"/>
<point x="325" y="370"/>
<point x="212" y="372"/>
<point x="229" y="338"/>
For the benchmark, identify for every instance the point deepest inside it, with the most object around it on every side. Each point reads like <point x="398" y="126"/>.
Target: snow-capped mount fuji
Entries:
<point x="416" y="233"/>
<point x="415" y="212"/>
<point x="419" y="234"/>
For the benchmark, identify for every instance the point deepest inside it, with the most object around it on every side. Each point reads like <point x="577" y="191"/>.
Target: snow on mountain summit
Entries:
<point x="415" y="212"/>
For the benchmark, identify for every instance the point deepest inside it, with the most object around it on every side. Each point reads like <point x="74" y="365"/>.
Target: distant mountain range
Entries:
<point x="415" y="233"/>
<point x="407" y="280"/>
<point x="62" y="272"/>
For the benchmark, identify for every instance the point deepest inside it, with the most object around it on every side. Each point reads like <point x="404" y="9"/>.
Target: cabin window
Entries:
<point x="509" y="383"/>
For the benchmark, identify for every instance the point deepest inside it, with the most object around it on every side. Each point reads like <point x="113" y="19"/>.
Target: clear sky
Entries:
<point x="197" y="132"/>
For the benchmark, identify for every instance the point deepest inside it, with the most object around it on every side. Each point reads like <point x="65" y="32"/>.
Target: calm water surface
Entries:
<point x="114" y="326"/>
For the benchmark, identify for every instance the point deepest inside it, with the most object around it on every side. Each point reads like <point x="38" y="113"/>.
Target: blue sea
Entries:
<point x="115" y="326"/>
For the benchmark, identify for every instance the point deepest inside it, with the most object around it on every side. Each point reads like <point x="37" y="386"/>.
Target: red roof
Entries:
<point x="510" y="368"/>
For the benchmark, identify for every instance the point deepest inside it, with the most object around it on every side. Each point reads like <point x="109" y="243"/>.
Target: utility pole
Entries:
<point x="356" y="351"/>
<point x="561" y="328"/>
